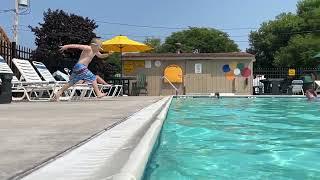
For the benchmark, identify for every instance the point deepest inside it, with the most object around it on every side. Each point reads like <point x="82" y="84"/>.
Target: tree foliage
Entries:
<point x="205" y="40"/>
<point x="300" y="47"/>
<point x="155" y="43"/>
<point x="290" y="39"/>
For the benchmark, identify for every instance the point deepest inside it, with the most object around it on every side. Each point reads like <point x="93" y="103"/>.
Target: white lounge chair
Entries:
<point x="297" y="87"/>
<point x="70" y="93"/>
<point x="61" y="76"/>
<point x="16" y="84"/>
<point x="317" y="82"/>
<point x="258" y="86"/>
<point x="36" y="88"/>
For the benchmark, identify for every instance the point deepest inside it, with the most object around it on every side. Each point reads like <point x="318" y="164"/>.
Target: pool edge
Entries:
<point x="136" y="164"/>
<point x="103" y="147"/>
<point x="239" y="96"/>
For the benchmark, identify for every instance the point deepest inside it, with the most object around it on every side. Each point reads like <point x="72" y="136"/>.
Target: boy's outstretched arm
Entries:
<point x="102" y="56"/>
<point x="74" y="46"/>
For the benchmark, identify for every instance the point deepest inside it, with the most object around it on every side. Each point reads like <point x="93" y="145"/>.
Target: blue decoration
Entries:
<point x="226" y="68"/>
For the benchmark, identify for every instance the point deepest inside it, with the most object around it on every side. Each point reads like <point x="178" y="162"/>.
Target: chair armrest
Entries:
<point x="61" y="82"/>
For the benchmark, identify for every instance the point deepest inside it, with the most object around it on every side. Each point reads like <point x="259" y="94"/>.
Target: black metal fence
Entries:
<point x="296" y="73"/>
<point x="279" y="80"/>
<point x="11" y="50"/>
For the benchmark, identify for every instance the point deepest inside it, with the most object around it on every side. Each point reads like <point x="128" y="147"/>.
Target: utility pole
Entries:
<point x="16" y="21"/>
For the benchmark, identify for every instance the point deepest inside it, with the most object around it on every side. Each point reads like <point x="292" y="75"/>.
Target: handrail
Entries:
<point x="174" y="87"/>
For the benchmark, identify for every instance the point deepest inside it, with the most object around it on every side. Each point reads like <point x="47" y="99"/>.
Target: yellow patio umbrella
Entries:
<point x="123" y="44"/>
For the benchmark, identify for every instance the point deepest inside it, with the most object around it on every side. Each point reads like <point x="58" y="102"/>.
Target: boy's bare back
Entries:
<point x="86" y="56"/>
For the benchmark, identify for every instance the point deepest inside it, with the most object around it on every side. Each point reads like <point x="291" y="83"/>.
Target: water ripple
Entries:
<point x="238" y="139"/>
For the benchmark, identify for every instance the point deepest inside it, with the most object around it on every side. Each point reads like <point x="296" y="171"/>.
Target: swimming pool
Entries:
<point x="238" y="138"/>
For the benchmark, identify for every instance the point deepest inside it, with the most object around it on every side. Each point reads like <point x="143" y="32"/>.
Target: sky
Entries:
<point x="236" y="17"/>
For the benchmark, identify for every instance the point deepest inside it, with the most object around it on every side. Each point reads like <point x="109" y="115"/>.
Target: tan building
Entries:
<point x="192" y="73"/>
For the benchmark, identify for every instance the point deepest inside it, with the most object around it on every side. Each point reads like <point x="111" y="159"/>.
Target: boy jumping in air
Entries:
<point x="80" y="70"/>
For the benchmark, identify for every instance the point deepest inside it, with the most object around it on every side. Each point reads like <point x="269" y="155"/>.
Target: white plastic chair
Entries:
<point x="256" y="84"/>
<point x="297" y="87"/>
<point x="70" y="94"/>
<point x="61" y="76"/>
<point x="36" y="87"/>
<point x="318" y="86"/>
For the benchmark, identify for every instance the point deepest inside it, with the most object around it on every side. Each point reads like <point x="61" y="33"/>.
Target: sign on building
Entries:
<point x="198" y="68"/>
<point x="148" y="64"/>
<point x="132" y="66"/>
<point x="292" y="72"/>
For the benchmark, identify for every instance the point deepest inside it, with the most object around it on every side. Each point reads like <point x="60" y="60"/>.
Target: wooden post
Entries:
<point x="234" y="85"/>
<point x="13" y="50"/>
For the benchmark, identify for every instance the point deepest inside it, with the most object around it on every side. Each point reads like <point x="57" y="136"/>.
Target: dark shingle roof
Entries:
<point x="129" y="56"/>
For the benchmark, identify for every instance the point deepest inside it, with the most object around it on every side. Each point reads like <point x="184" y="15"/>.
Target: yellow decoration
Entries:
<point x="292" y="72"/>
<point x="173" y="73"/>
<point x="230" y="75"/>
<point x="139" y="64"/>
<point x="233" y="65"/>
<point x="130" y="67"/>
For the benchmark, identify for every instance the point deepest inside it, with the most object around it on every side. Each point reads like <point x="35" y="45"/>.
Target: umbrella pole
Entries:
<point x="121" y="61"/>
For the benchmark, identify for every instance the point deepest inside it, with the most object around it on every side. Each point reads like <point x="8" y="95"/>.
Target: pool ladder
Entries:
<point x="173" y="86"/>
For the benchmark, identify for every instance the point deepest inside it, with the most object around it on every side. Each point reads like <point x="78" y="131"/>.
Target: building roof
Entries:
<point x="175" y="56"/>
<point x="3" y="36"/>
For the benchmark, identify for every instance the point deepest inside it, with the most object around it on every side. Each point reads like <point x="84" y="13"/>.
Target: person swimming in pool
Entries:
<point x="80" y="70"/>
<point x="311" y="94"/>
<point x="217" y="95"/>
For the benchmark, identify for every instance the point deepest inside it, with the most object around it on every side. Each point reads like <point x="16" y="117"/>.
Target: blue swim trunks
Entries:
<point x="81" y="72"/>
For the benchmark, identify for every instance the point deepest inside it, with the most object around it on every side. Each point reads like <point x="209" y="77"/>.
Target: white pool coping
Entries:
<point x="113" y="153"/>
<point x="240" y="96"/>
<point x="135" y="166"/>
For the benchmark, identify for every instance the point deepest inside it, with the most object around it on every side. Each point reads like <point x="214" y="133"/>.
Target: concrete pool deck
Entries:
<point x="32" y="133"/>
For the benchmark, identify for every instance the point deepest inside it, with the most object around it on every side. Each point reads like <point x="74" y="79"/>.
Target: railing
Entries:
<point x="10" y="50"/>
<point x="265" y="79"/>
<point x="174" y="87"/>
<point x="284" y="72"/>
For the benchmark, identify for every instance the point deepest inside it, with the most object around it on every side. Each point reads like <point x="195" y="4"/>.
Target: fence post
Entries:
<point x="13" y="50"/>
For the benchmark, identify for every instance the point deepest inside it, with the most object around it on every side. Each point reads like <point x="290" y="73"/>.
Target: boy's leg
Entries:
<point x="100" y="80"/>
<point x="97" y="90"/>
<point x="59" y="93"/>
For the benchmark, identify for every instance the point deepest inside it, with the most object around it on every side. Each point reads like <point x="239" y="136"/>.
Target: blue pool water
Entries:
<point x="238" y="138"/>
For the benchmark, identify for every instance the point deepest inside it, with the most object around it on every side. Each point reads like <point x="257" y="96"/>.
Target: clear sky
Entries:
<point x="228" y="15"/>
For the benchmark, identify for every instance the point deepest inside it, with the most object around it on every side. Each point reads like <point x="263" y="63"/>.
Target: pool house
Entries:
<point x="189" y="73"/>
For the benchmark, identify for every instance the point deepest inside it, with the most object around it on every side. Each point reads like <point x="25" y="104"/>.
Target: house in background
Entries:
<point x="3" y="36"/>
<point x="192" y="73"/>
<point x="5" y="45"/>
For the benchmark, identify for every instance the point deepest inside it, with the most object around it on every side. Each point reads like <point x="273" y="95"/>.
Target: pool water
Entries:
<point x="238" y="138"/>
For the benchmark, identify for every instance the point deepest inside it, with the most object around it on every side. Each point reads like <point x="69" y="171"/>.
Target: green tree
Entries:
<point x="205" y="40"/>
<point x="271" y="36"/>
<point x="299" y="47"/>
<point x="155" y="43"/>
<point x="288" y="31"/>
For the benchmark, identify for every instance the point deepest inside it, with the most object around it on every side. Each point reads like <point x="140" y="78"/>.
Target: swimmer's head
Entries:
<point x="95" y="44"/>
<point x="310" y="94"/>
<point x="217" y="95"/>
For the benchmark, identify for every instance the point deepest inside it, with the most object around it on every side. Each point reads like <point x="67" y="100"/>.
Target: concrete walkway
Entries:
<point x="31" y="133"/>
